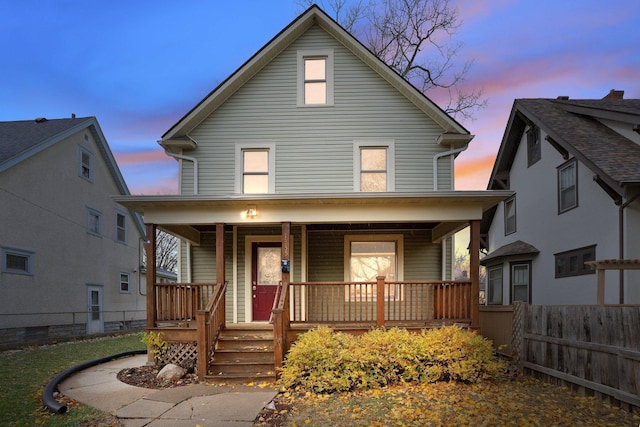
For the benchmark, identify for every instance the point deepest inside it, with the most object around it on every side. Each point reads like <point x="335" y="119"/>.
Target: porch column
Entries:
<point x="474" y="272"/>
<point x="221" y="267"/>
<point x="281" y="315"/>
<point x="220" y="264"/>
<point x="150" y="248"/>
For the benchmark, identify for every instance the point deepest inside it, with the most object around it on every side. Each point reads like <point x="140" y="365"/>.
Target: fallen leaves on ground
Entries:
<point x="519" y="402"/>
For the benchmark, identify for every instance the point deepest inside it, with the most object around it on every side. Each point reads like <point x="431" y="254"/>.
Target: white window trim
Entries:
<point x="398" y="238"/>
<point x="318" y="53"/>
<point x="271" y="147"/>
<point x="18" y="252"/>
<point x="124" y="273"/>
<point x="389" y="145"/>
<point x="85" y="150"/>
<point x="91" y="211"/>
<point x="512" y="285"/>
<point x="126" y="228"/>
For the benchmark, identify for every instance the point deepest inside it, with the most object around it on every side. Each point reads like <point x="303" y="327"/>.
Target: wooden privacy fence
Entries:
<point x="592" y="349"/>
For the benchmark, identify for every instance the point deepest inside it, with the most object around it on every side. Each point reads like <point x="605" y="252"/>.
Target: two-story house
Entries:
<point x="574" y="166"/>
<point x="70" y="255"/>
<point x="316" y="167"/>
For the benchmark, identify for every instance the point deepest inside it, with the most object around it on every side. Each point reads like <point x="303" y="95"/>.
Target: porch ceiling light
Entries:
<point x="251" y="212"/>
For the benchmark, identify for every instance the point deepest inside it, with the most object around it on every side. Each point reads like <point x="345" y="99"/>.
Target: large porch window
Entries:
<point x="366" y="258"/>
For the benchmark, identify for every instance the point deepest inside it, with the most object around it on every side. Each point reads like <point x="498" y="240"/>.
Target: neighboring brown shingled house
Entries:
<point x="575" y="168"/>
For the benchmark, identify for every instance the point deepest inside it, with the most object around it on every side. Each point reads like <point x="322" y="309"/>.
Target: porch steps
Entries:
<point x="243" y="353"/>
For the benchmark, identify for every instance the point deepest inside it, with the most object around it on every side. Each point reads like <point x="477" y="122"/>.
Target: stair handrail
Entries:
<point x="210" y="322"/>
<point x="280" y="316"/>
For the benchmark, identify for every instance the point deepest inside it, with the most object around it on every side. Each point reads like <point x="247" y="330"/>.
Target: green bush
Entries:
<point x="324" y="361"/>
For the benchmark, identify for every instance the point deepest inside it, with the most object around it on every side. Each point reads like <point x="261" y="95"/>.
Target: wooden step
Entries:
<point x="243" y="354"/>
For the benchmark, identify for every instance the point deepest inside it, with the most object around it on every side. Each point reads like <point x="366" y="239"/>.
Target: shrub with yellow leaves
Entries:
<point x="324" y="361"/>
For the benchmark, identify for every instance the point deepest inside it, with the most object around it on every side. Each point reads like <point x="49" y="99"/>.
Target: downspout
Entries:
<point x="188" y="158"/>
<point x="621" y="240"/>
<point x="435" y="188"/>
<point x="439" y="156"/>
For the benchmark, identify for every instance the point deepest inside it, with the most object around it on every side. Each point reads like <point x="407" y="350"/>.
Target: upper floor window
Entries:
<point x="255" y="166"/>
<point x="85" y="167"/>
<point x="373" y="167"/>
<point x="94" y="222"/>
<point x="534" y="150"/>
<point x="315" y="77"/>
<point x="572" y="263"/>
<point x="510" y="216"/>
<point x="121" y="227"/>
<point x="567" y="186"/>
<point x="17" y="261"/>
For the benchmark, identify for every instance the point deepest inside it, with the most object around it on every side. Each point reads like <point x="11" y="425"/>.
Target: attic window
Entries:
<point x="85" y="166"/>
<point x="315" y="78"/>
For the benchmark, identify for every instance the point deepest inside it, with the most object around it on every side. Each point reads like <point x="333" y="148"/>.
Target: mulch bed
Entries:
<point x="146" y="376"/>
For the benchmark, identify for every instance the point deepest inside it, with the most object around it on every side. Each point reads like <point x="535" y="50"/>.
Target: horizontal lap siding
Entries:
<point x="314" y="146"/>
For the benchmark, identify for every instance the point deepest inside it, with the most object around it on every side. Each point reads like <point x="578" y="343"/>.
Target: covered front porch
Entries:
<point x="320" y="242"/>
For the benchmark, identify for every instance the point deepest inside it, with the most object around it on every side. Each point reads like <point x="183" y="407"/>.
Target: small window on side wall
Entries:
<point x="494" y="291"/>
<point x="17" y="261"/>
<point x="510" y="215"/>
<point x="521" y="282"/>
<point x="121" y="227"/>
<point x="125" y="279"/>
<point x="572" y="263"/>
<point x="94" y="222"/>
<point x="373" y="166"/>
<point x="85" y="166"/>
<point x="567" y="186"/>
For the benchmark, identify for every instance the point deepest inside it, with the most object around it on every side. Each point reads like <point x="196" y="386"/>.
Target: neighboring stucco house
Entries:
<point x="574" y="166"/>
<point x="316" y="165"/>
<point x="70" y="255"/>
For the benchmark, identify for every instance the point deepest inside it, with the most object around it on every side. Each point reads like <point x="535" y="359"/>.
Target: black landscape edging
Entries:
<point x="47" y="395"/>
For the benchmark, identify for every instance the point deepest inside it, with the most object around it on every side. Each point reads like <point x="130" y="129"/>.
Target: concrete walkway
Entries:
<point x="191" y="405"/>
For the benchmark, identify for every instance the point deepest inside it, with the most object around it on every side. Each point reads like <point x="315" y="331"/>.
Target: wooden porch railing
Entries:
<point x="377" y="303"/>
<point x="179" y="302"/>
<point x="210" y="321"/>
<point x="380" y="303"/>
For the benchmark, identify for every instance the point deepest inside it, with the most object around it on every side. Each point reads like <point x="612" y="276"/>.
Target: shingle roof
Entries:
<point x="608" y="151"/>
<point x="512" y="249"/>
<point x="19" y="137"/>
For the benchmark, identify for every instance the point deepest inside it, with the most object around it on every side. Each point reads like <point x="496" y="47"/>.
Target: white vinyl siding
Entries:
<point x="315" y="145"/>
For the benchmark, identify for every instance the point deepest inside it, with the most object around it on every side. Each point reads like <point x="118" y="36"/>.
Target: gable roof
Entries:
<point x="20" y="140"/>
<point x="517" y="248"/>
<point x="177" y="136"/>
<point x="574" y="126"/>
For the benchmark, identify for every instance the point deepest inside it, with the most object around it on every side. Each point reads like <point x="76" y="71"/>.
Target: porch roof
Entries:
<point x="450" y="210"/>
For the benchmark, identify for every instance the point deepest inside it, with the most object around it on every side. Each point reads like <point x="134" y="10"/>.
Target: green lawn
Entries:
<point x="25" y="373"/>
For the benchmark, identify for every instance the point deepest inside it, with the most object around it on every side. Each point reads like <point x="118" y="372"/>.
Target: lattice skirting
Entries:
<point x="517" y="337"/>
<point x="182" y="354"/>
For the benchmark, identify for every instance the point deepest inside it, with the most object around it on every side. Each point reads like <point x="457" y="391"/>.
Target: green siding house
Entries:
<point x="316" y="187"/>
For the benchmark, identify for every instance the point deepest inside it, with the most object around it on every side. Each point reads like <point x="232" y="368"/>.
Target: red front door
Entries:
<point x="266" y="275"/>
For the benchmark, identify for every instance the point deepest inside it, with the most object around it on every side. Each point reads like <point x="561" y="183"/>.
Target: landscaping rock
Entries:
<point x="171" y="372"/>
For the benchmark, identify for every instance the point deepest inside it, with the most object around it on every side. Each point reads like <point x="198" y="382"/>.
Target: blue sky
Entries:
<point x="139" y="66"/>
